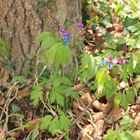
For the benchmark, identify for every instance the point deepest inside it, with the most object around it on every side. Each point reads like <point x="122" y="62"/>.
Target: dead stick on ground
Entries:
<point x="88" y="106"/>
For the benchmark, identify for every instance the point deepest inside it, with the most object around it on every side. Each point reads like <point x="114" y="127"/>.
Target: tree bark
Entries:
<point x="22" y="20"/>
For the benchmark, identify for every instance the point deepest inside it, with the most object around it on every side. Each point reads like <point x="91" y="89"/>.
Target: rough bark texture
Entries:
<point x="22" y="20"/>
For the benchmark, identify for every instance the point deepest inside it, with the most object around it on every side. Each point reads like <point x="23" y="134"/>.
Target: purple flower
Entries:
<point x="61" y="30"/>
<point x="115" y="61"/>
<point x="110" y="66"/>
<point x="109" y="58"/>
<point x="121" y="61"/>
<point x="65" y="33"/>
<point x="80" y="25"/>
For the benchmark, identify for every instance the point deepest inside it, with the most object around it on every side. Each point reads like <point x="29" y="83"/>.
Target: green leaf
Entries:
<point x="110" y="87"/>
<point x="36" y="94"/>
<point x="56" y="95"/>
<point x="4" y="49"/>
<point x="130" y="95"/>
<point x="121" y="40"/>
<point x="42" y="3"/>
<point x="58" y="55"/>
<point x="20" y="79"/>
<point x="60" y="99"/>
<point x="65" y="123"/>
<point x="102" y="75"/>
<point x="111" y="135"/>
<point x="68" y="92"/>
<point x="55" y="126"/>
<point x="50" y="55"/>
<point x="136" y="134"/>
<point x="129" y="21"/>
<point x="118" y="98"/>
<point x="126" y="136"/>
<point x="34" y="134"/>
<point x="15" y="108"/>
<point x="138" y="43"/>
<point x="88" y="67"/>
<point x="124" y="101"/>
<point x="108" y="36"/>
<point x="126" y="123"/>
<point x="46" y="122"/>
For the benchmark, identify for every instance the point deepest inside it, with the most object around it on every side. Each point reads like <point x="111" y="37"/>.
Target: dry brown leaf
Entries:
<point x="98" y="116"/>
<point x="33" y="123"/>
<point x="86" y="98"/>
<point x="114" y="115"/>
<point x="13" y="134"/>
<point x="99" y="106"/>
<point x="73" y="132"/>
<point x="81" y="88"/>
<point x="99" y="130"/>
<point x="137" y="120"/>
<point x="87" y="132"/>
<point x="4" y="75"/>
<point x="2" y="101"/>
<point x="75" y="106"/>
<point x="24" y="92"/>
<point x="2" y="136"/>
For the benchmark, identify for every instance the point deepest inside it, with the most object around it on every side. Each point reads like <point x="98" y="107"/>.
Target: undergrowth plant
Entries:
<point x="112" y="72"/>
<point x="53" y="87"/>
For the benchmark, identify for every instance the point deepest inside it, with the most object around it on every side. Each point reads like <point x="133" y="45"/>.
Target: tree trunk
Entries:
<point x="22" y="20"/>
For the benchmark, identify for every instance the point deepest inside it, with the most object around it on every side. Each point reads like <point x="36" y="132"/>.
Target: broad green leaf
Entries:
<point x="58" y="55"/>
<point x="50" y="55"/>
<point x="110" y="87"/>
<point x="102" y="75"/>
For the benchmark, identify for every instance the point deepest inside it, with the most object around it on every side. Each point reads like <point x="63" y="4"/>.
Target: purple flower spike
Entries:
<point x="80" y="25"/>
<point x="110" y="66"/>
<point x="109" y="58"/>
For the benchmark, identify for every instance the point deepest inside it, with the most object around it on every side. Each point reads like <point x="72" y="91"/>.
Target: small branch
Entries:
<point x="79" y="117"/>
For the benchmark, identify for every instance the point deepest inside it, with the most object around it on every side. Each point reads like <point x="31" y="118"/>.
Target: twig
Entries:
<point x="88" y="106"/>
